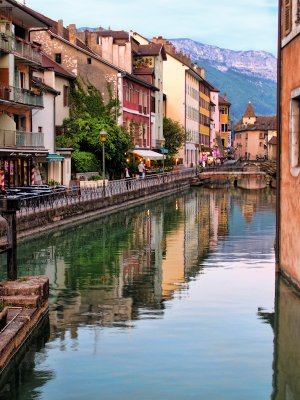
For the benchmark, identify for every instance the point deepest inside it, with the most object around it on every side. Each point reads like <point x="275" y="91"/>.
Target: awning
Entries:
<point x="54" y="158"/>
<point x="148" y="154"/>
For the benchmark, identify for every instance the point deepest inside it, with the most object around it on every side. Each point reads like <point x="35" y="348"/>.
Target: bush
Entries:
<point x="85" y="161"/>
<point x="95" y="178"/>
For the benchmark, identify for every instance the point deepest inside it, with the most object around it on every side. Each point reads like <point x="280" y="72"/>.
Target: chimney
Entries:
<point x="60" y="27"/>
<point x="72" y="33"/>
<point x="100" y="29"/>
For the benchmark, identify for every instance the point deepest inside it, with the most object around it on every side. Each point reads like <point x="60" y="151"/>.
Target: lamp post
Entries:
<point x="197" y="151"/>
<point x="103" y="136"/>
<point x="163" y="142"/>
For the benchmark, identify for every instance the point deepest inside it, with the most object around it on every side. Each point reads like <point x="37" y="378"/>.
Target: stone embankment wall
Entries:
<point x="38" y="222"/>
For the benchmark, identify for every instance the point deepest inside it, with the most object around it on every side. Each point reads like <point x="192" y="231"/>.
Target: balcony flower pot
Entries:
<point x="18" y="39"/>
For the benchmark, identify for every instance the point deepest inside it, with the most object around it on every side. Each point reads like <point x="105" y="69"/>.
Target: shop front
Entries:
<point x="18" y="168"/>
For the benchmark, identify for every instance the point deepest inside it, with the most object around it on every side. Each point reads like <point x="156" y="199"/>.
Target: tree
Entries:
<point x="88" y="116"/>
<point x="174" y="135"/>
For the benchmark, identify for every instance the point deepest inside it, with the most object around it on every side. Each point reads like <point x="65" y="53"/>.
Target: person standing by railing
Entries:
<point x="127" y="178"/>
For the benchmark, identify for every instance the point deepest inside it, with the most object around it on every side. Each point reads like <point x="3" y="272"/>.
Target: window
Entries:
<point x="295" y="133"/>
<point x="57" y="58"/>
<point x="298" y="12"/>
<point x="131" y="93"/>
<point x="224" y="127"/>
<point x="89" y="60"/>
<point x="145" y="102"/>
<point x="66" y="96"/>
<point x="40" y="129"/>
<point x="140" y="101"/>
<point x="223" y="110"/>
<point x="22" y="80"/>
<point x="287" y="16"/>
<point x="126" y="92"/>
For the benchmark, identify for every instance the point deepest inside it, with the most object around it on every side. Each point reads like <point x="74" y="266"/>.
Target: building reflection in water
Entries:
<point x="286" y="364"/>
<point x="128" y="266"/>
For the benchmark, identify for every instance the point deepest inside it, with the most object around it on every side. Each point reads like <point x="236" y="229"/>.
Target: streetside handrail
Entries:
<point x="62" y="198"/>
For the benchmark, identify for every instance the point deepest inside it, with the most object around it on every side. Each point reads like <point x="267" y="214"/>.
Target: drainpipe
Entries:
<point x="279" y="133"/>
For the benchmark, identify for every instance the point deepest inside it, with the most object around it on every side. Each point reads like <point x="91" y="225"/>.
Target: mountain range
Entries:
<point x="242" y="75"/>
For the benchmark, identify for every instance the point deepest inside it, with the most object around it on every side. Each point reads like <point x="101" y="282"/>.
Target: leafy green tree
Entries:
<point x="174" y="135"/>
<point x="89" y="115"/>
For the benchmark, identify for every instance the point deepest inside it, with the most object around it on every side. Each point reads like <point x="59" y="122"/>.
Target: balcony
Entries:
<point x="19" y="95"/>
<point x="21" y="139"/>
<point x="20" y="48"/>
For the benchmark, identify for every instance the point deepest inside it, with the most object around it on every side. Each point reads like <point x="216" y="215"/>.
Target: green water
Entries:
<point x="170" y="300"/>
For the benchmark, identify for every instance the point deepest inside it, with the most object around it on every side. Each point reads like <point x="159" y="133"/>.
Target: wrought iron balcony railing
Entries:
<point x="9" y="138"/>
<point x="19" y="95"/>
<point x="20" y="47"/>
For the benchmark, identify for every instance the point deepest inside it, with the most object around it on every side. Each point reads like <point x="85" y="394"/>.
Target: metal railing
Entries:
<point x="29" y="139"/>
<point x="19" y="95"/>
<point x="64" y="198"/>
<point x="20" y="48"/>
<point x="21" y="138"/>
<point x="25" y="96"/>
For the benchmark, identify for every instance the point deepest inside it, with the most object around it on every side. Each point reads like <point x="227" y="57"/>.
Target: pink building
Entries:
<point x="136" y="109"/>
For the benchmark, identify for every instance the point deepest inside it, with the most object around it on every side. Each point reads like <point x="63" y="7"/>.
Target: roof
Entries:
<point x="152" y="49"/>
<point x="223" y="101"/>
<point x="249" y="113"/>
<point x="115" y="34"/>
<point x="33" y="14"/>
<point x="262" y="123"/>
<point x="41" y="85"/>
<point x="273" y="140"/>
<point x="140" y="81"/>
<point x="58" y="69"/>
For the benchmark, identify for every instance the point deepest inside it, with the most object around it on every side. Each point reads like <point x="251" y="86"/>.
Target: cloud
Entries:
<point x="235" y="24"/>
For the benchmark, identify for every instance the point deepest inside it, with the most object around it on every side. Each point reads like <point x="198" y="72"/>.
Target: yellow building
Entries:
<point x="224" y="107"/>
<point x="204" y="111"/>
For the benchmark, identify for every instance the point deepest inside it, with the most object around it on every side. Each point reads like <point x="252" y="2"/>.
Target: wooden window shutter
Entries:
<point x="287" y="16"/>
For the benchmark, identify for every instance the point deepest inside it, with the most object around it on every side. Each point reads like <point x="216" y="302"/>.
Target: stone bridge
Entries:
<point x="246" y="177"/>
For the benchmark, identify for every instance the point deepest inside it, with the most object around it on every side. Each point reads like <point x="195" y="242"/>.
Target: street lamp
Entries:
<point x="163" y="142"/>
<point x="197" y="151"/>
<point x="103" y="136"/>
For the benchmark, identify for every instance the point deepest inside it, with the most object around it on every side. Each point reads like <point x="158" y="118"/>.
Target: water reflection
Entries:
<point x="134" y="266"/>
<point x="287" y="344"/>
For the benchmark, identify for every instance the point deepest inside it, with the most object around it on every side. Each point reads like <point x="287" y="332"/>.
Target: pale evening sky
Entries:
<point x="232" y="24"/>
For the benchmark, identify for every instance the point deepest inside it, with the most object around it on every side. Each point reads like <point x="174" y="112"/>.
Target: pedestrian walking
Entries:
<point x="141" y="169"/>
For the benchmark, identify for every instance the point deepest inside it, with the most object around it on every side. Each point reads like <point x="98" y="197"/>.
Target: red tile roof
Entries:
<point x="262" y="123"/>
<point x="223" y="101"/>
<point x="115" y="34"/>
<point x="249" y="113"/>
<point x="41" y="85"/>
<point x="152" y="49"/>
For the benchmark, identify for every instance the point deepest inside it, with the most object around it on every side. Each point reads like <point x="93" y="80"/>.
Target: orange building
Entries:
<point x="288" y="209"/>
<point x="224" y="108"/>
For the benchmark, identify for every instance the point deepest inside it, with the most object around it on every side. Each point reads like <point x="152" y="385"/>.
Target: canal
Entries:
<point x="170" y="300"/>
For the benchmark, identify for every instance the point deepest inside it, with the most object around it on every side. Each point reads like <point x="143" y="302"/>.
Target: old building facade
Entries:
<point x="253" y="134"/>
<point x="288" y="228"/>
<point x="20" y="146"/>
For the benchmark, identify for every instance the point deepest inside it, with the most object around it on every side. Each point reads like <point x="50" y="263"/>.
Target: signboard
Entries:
<point x="164" y="150"/>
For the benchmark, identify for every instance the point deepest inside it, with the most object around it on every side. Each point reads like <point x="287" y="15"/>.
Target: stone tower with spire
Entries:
<point x="249" y="117"/>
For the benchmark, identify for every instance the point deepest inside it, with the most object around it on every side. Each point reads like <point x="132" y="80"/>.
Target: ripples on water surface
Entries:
<point x="172" y="300"/>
